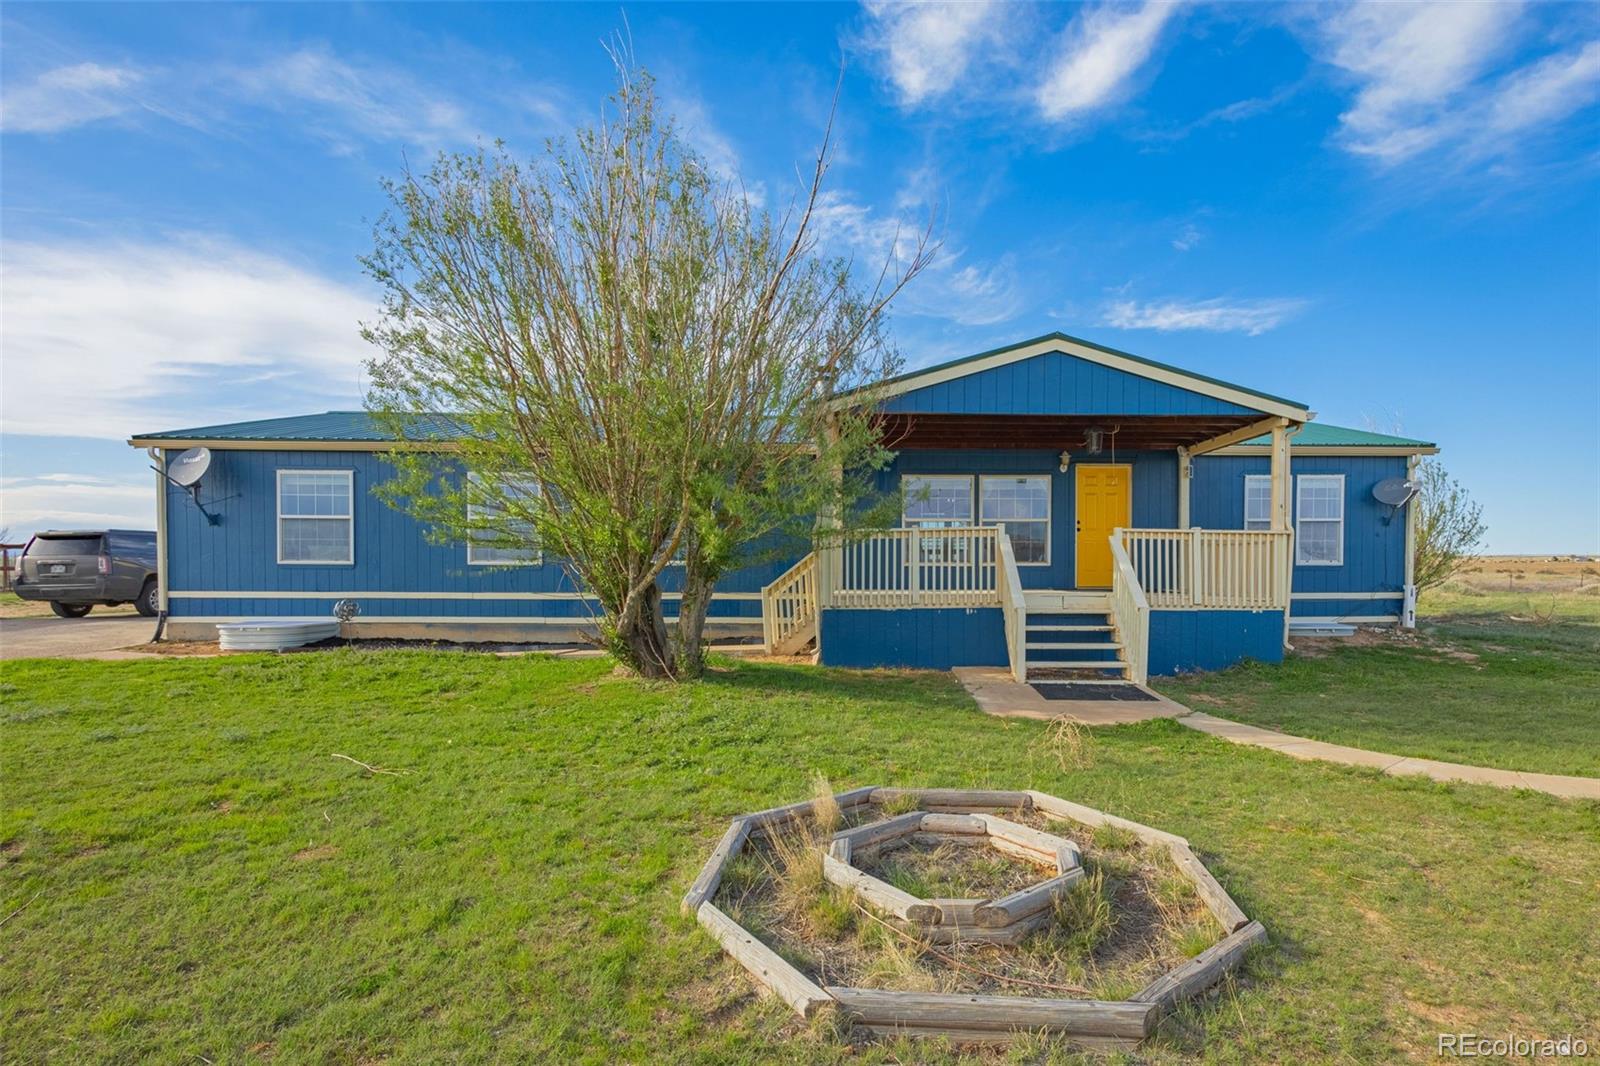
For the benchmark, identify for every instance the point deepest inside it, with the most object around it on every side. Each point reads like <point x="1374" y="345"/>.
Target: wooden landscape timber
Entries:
<point x="1202" y="971"/>
<point x="1216" y="898"/>
<point x="764" y="964"/>
<point x="959" y="816"/>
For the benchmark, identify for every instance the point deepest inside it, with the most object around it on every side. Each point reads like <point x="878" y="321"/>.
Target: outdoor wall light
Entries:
<point x="1066" y="458"/>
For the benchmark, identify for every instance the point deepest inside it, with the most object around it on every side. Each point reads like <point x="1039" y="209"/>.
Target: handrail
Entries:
<point x="935" y="567"/>
<point x="1211" y="569"/>
<point x="1014" y="608"/>
<point x="789" y="604"/>
<point x="1130" y="611"/>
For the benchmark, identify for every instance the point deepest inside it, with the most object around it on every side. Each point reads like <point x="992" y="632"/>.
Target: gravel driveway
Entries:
<point x="23" y="638"/>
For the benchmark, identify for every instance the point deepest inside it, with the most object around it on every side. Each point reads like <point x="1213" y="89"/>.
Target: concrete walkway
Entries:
<point x="997" y="693"/>
<point x="1301" y="748"/>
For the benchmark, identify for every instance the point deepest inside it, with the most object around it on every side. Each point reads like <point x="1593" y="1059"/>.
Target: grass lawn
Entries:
<point x="1494" y="679"/>
<point x="190" y="876"/>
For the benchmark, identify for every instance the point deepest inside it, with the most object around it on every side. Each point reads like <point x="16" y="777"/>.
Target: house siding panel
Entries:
<point x="1057" y="384"/>
<point x="915" y="638"/>
<point x="1184" y="641"/>
<point x="1374" y="540"/>
<point x="392" y="554"/>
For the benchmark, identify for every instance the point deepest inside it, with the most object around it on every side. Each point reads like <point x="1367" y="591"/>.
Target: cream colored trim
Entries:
<point x="1185" y="486"/>
<point x="348" y="519"/>
<point x="1234" y="436"/>
<point x="1297" y="450"/>
<point x="1176" y="378"/>
<point x="1049" y="510"/>
<point x="294" y="445"/>
<point x="1409" y="608"/>
<point x="1346" y="619"/>
<point x="1346" y="595"/>
<point x="160" y="457"/>
<point x="281" y="594"/>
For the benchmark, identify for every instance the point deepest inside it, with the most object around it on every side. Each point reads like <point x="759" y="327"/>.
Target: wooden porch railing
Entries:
<point x="893" y="568"/>
<point x="789" y="608"/>
<point x="1014" y="609"/>
<point x="1211" y="569"/>
<point x="1130" y="612"/>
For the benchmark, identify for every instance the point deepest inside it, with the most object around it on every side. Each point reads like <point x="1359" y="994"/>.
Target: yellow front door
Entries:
<point x="1105" y="503"/>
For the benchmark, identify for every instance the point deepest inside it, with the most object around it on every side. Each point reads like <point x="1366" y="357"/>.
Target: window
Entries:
<point x="315" y="516"/>
<point x="936" y="502"/>
<point x="496" y="525"/>
<point x="1022" y="505"/>
<point x="1258" y="501"/>
<point x="1319" y="520"/>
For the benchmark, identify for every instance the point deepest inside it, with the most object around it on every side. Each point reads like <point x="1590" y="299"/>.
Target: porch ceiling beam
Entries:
<point x="1243" y="433"/>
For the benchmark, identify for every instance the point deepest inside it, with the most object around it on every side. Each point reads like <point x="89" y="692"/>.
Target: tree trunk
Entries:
<point x="689" y="637"/>
<point x="641" y="637"/>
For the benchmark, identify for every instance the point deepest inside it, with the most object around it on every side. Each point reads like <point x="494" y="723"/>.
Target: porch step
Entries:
<point x="1106" y="645"/>
<point x="1044" y="672"/>
<point x="1068" y="629"/>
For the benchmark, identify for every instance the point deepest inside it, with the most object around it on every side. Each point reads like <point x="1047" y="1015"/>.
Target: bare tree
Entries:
<point x="631" y="364"/>
<point x="1450" y="525"/>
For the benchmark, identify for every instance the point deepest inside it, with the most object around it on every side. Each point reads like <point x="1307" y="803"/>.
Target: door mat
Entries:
<point x="1078" y="691"/>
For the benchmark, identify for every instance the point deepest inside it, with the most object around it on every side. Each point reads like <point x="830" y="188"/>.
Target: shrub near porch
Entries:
<point x="190" y="873"/>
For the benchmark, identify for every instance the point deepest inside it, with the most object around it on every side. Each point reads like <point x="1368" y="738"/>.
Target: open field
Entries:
<point x="190" y="874"/>
<point x="1494" y="678"/>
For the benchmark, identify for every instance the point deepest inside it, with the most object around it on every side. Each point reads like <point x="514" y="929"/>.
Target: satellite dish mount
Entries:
<point x="1394" y="493"/>
<point x="185" y="471"/>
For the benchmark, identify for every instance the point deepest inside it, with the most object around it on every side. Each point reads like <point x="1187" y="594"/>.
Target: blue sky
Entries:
<point x="1389" y="212"/>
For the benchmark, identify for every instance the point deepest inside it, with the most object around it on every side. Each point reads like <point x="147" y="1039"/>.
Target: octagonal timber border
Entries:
<point x="962" y="1018"/>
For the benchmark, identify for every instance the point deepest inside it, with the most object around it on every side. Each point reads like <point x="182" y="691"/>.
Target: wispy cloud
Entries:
<point x="1252" y="317"/>
<point x="927" y="48"/>
<point x="59" y="500"/>
<point x="169" y="331"/>
<point x="952" y="287"/>
<point x="1099" y="54"/>
<point x="64" y="97"/>
<point x="1426" y="81"/>
<point x="1188" y="236"/>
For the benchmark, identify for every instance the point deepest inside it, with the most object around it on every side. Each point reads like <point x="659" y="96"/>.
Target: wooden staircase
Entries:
<point x="1070" y="636"/>
<point x="789" y="609"/>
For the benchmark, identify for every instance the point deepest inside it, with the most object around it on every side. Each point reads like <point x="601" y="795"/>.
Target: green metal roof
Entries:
<point x="353" y="426"/>
<point x="1322" y="435"/>
<point x="1068" y="338"/>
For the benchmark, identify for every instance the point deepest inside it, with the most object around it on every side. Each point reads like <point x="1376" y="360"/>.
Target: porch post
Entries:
<point x="1185" y="472"/>
<point x="1408" y="605"/>
<point x="1280" y="477"/>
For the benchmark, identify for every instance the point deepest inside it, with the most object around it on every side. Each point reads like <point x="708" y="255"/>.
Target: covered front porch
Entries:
<point x="1045" y="526"/>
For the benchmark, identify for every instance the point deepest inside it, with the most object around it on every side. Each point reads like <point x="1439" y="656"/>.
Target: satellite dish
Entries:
<point x="1394" y="491"/>
<point x="189" y="467"/>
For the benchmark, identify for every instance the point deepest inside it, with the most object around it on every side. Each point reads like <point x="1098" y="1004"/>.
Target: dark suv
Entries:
<point x="76" y="569"/>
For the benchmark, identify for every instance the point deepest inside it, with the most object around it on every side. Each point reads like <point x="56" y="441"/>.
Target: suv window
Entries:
<point x="132" y="545"/>
<point x="63" y="547"/>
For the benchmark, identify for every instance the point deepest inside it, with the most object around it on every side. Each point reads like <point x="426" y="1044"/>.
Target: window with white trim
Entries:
<point x="936" y="502"/>
<point x="1319" y="520"/>
<point x="1022" y="506"/>
<point x="1258" y="501"/>
<point x="486" y="516"/>
<point x="316" y="516"/>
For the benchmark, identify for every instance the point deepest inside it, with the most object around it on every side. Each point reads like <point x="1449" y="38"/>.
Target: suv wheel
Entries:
<point x="70" y="610"/>
<point x="149" y="601"/>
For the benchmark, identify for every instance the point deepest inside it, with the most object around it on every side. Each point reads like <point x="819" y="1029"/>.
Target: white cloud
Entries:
<point x="1189" y="236"/>
<point x="1426" y="82"/>
<point x="949" y="287"/>
<point x="1100" y="53"/>
<point x="104" y="340"/>
<point x="57" y="501"/>
<point x="1252" y="317"/>
<point x="69" y="96"/>
<point x="928" y="47"/>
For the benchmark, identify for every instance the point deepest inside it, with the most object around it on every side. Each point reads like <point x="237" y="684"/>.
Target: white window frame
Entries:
<point x="538" y="551"/>
<point x="1261" y="523"/>
<point x="925" y="523"/>
<point x="349" y="519"/>
<point x="1049" y="510"/>
<point x="1299" y="484"/>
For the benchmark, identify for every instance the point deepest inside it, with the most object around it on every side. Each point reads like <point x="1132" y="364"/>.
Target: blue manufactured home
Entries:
<point x="1068" y="511"/>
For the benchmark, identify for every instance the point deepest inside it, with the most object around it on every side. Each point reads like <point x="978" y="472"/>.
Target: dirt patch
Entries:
<point x="321" y="851"/>
<point x="1131" y="919"/>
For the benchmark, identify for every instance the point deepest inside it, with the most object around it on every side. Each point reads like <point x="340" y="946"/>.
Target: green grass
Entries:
<point x="190" y="876"/>
<point x="1493" y="680"/>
